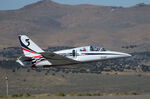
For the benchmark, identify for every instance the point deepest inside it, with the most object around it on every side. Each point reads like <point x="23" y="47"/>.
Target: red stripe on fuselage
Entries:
<point x="37" y="56"/>
<point x="28" y="50"/>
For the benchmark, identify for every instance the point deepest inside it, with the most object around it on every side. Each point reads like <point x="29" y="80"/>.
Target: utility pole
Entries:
<point x="6" y="79"/>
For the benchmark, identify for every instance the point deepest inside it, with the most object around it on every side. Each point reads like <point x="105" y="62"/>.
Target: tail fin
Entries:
<point x="30" y="49"/>
<point x="31" y="52"/>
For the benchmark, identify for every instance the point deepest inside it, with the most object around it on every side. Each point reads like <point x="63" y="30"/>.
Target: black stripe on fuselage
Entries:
<point x="100" y="54"/>
<point x="70" y="54"/>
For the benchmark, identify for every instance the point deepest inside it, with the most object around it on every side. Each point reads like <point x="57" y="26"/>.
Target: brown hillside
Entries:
<point x="52" y="24"/>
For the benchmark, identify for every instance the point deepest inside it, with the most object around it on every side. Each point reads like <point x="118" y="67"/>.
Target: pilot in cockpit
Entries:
<point x="97" y="48"/>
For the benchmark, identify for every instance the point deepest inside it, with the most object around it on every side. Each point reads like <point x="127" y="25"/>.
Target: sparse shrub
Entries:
<point x="74" y="94"/>
<point x="28" y="70"/>
<point x="24" y="80"/>
<point x="121" y="93"/>
<point x="62" y="76"/>
<point x="125" y="93"/>
<point x="139" y="75"/>
<point x="84" y="94"/>
<point x="134" y="93"/>
<point x="96" y="94"/>
<point x="17" y="95"/>
<point x="41" y="95"/>
<point x="46" y="73"/>
<point x="87" y="94"/>
<point x="13" y="70"/>
<point x="53" y="74"/>
<point x="79" y="94"/>
<point x="27" y="95"/>
<point x="60" y="94"/>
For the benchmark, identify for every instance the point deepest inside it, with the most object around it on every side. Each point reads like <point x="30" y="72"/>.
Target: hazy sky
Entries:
<point x="124" y="3"/>
<point x="16" y="4"/>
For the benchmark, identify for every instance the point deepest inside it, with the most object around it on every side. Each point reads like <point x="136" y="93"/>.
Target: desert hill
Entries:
<point x="53" y="24"/>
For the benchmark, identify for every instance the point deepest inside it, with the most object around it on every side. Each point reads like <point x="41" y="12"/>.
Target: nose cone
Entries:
<point x="125" y="55"/>
<point x="119" y="54"/>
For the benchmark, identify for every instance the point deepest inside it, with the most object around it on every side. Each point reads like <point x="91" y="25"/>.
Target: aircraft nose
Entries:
<point x="118" y="55"/>
<point x="125" y="55"/>
<point x="128" y="55"/>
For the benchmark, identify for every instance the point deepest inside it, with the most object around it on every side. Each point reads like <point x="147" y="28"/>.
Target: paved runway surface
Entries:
<point x="94" y="97"/>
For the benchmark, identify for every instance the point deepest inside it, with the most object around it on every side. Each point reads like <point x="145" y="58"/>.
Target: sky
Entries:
<point x="16" y="4"/>
<point x="123" y="3"/>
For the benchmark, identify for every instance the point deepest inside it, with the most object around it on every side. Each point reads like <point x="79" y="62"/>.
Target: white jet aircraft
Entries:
<point x="35" y="57"/>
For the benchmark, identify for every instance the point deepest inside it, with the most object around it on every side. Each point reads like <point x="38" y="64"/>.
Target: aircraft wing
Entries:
<point x="57" y="59"/>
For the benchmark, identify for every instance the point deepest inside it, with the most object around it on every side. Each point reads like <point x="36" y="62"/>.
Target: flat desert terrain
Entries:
<point x="93" y="97"/>
<point x="23" y="81"/>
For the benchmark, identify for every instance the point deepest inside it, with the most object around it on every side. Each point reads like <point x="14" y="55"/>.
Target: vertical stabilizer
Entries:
<point x="30" y="49"/>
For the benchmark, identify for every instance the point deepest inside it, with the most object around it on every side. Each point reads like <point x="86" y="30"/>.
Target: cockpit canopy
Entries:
<point x="97" y="48"/>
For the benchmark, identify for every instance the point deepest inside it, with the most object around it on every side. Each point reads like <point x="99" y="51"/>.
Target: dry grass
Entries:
<point x="127" y="73"/>
<point x="71" y="84"/>
<point x="61" y="94"/>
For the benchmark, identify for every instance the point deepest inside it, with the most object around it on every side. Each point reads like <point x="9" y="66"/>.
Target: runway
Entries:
<point x="91" y="97"/>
